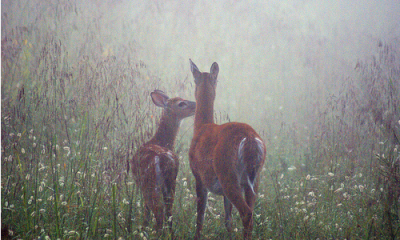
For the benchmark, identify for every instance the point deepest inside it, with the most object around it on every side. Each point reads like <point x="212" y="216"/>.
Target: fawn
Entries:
<point x="155" y="165"/>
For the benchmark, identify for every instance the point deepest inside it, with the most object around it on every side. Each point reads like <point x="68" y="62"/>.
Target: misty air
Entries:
<point x="200" y="119"/>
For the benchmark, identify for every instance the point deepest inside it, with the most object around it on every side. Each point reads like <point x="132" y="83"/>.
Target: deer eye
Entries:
<point x="182" y="104"/>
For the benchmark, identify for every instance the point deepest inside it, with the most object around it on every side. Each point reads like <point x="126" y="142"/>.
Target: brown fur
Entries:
<point x="225" y="159"/>
<point x="155" y="165"/>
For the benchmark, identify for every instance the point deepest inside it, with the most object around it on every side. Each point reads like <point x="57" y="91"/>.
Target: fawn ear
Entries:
<point x="214" y="71"/>
<point x="159" y="98"/>
<point x="195" y="71"/>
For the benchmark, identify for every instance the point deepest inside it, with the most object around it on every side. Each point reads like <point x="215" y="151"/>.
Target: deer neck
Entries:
<point x="204" y="109"/>
<point x="166" y="133"/>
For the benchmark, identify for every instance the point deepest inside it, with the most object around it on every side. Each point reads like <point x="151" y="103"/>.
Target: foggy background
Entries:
<point x="318" y="80"/>
<point x="275" y="57"/>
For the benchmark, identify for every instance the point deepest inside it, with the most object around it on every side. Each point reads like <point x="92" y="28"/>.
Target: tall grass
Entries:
<point x="69" y="127"/>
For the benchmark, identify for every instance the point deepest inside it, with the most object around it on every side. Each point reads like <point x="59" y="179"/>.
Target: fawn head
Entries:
<point x="175" y="108"/>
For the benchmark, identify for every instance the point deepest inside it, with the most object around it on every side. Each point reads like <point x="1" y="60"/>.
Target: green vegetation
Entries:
<point x="70" y="122"/>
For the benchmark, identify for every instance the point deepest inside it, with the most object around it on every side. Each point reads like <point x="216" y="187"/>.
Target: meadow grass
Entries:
<point x="69" y="130"/>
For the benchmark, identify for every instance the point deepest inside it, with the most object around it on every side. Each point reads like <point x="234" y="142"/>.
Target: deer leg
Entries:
<point x="169" y="201"/>
<point x="235" y="196"/>
<point x="201" y="206"/>
<point x="146" y="216"/>
<point x="250" y="200"/>
<point x="153" y="203"/>
<point x="232" y="190"/>
<point x="158" y="208"/>
<point x="228" y="214"/>
<point x="159" y="215"/>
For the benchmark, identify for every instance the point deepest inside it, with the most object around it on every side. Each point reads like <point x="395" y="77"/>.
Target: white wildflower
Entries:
<point x="338" y="190"/>
<point x="68" y="150"/>
<point x="292" y="168"/>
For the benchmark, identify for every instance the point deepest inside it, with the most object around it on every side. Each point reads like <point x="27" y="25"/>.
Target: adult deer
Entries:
<point x="225" y="159"/>
<point x="155" y="165"/>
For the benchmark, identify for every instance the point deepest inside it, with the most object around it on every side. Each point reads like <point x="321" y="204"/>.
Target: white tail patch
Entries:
<point x="259" y="143"/>
<point x="260" y="146"/>
<point x="250" y="184"/>
<point x="157" y="164"/>
<point x="158" y="172"/>
<point x="240" y="150"/>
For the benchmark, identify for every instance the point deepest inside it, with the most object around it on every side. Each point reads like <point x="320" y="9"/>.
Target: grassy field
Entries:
<point x="70" y="125"/>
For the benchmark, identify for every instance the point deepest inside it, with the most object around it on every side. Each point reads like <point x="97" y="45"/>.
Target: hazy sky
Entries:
<point x="269" y="52"/>
<point x="272" y="54"/>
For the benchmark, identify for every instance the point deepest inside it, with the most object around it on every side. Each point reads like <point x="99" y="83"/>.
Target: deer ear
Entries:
<point x="159" y="98"/>
<point x="214" y="71"/>
<point x="195" y="71"/>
